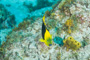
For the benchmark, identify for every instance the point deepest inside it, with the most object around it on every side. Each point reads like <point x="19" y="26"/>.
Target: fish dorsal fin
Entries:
<point x="47" y="35"/>
<point x="44" y="19"/>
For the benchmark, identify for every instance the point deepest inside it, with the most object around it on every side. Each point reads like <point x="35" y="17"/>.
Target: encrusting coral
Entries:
<point x="69" y="23"/>
<point x="71" y="43"/>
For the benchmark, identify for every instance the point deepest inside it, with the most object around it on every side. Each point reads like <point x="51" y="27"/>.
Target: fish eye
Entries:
<point x="50" y="44"/>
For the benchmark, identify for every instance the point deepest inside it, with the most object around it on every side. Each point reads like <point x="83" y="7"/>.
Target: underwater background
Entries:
<point x="44" y="29"/>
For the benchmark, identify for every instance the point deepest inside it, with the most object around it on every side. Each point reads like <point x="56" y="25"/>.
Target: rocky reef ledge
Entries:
<point x="24" y="44"/>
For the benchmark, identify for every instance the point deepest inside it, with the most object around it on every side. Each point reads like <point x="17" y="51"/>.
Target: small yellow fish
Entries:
<point x="47" y="38"/>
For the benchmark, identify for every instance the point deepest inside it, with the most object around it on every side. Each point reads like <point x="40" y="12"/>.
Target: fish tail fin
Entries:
<point x="41" y="40"/>
<point x="44" y="19"/>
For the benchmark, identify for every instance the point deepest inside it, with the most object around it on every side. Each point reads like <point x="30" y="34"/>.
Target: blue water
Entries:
<point x="20" y="11"/>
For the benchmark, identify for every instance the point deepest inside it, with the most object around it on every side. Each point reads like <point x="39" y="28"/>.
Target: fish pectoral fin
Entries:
<point x="41" y="40"/>
<point x="51" y="36"/>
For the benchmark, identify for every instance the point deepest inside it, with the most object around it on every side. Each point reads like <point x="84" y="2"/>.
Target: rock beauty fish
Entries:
<point x="46" y="37"/>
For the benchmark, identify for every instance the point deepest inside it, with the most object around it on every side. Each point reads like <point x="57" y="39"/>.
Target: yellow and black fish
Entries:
<point x="47" y="38"/>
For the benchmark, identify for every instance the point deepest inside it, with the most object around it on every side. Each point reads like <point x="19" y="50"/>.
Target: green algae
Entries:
<point x="26" y="22"/>
<point x="47" y="13"/>
<point x="23" y="25"/>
